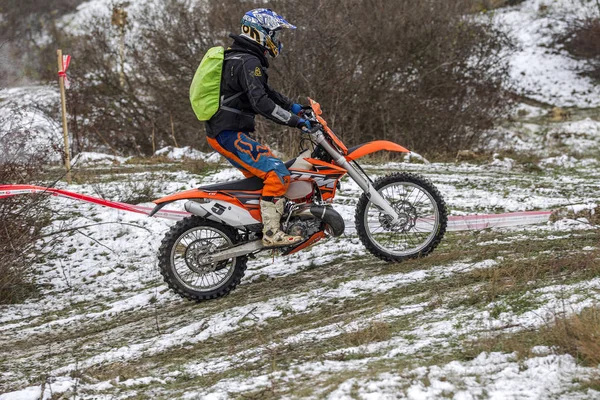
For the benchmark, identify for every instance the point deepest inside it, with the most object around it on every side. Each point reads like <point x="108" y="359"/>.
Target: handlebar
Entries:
<point x="315" y="127"/>
<point x="309" y="115"/>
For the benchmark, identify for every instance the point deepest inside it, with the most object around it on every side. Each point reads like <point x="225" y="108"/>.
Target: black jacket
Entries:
<point x="245" y="72"/>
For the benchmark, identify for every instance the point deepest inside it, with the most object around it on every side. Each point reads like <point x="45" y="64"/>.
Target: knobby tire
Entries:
<point x="167" y="269"/>
<point x="386" y="180"/>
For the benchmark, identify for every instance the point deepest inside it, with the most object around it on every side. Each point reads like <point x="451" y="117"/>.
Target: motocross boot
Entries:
<point x="271" y="217"/>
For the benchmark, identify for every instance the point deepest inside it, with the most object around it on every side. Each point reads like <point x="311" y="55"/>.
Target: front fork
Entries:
<point x="372" y="194"/>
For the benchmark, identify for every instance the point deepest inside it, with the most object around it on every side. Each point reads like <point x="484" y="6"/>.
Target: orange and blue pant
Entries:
<point x="253" y="159"/>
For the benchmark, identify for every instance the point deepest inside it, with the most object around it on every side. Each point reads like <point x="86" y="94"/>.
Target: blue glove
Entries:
<point x="303" y="123"/>
<point x="296" y="108"/>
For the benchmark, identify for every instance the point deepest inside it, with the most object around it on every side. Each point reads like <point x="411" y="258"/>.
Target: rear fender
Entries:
<point x="192" y="194"/>
<point x="364" y="149"/>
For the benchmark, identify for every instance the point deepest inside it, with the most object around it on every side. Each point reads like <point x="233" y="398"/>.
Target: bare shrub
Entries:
<point x="169" y="44"/>
<point x="426" y="74"/>
<point x="582" y="41"/>
<point x="29" y="34"/>
<point x="484" y="5"/>
<point x="21" y="218"/>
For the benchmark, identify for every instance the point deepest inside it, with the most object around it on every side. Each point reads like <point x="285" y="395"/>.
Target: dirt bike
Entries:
<point x="399" y="216"/>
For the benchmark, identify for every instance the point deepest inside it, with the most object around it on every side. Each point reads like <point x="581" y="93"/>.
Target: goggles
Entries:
<point x="276" y="36"/>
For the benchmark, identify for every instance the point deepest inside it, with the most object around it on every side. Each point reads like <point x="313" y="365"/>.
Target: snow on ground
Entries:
<point x="492" y="375"/>
<point x="87" y="158"/>
<point x="539" y="70"/>
<point x="181" y="153"/>
<point x="25" y="128"/>
<point x="104" y="306"/>
<point x="578" y="137"/>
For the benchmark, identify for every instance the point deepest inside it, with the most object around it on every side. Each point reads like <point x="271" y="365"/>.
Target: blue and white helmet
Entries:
<point x="264" y="26"/>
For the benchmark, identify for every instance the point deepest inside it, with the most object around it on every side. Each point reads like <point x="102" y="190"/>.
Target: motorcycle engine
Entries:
<point x="305" y="227"/>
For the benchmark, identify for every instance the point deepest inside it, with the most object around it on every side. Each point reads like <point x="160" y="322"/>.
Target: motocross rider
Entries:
<point x="228" y="131"/>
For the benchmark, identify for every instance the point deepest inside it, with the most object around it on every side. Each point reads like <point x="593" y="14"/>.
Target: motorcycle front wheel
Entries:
<point x="421" y="224"/>
<point x="184" y="266"/>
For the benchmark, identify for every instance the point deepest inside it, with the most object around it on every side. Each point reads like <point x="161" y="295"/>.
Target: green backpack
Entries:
<point x="205" y="91"/>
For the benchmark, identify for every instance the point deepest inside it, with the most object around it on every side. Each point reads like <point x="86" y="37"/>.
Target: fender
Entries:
<point x="362" y="150"/>
<point x="193" y="194"/>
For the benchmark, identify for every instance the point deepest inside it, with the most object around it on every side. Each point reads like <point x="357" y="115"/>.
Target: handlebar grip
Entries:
<point x="315" y="127"/>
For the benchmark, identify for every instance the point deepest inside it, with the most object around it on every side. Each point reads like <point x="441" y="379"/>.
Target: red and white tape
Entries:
<point x="455" y="222"/>
<point x="484" y="221"/>
<point x="13" y="190"/>
<point x="63" y="72"/>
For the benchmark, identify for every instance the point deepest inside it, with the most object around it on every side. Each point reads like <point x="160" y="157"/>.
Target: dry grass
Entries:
<point x="576" y="334"/>
<point x="377" y="331"/>
<point x="532" y="263"/>
<point x="121" y="370"/>
<point x="520" y="276"/>
<point x="527" y="162"/>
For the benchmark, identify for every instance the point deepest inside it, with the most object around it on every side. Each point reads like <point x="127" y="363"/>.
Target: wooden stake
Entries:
<point x="61" y="84"/>
<point x="122" y="56"/>
<point x="105" y="142"/>
<point x="153" y="141"/>
<point x="119" y="19"/>
<point x="173" y="130"/>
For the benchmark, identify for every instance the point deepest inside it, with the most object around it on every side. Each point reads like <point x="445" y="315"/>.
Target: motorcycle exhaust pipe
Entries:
<point x="330" y="217"/>
<point x="195" y="208"/>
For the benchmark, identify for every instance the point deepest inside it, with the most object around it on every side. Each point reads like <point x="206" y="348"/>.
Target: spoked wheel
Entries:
<point x="422" y="218"/>
<point x="184" y="265"/>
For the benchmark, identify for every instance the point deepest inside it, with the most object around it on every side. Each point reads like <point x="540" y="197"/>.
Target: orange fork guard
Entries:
<point x="372" y="147"/>
<point x="317" y="109"/>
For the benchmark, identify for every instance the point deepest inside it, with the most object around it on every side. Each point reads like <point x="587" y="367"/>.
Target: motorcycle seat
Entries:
<point x="248" y="184"/>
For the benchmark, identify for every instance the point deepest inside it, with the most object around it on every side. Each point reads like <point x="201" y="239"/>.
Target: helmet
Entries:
<point x="264" y="27"/>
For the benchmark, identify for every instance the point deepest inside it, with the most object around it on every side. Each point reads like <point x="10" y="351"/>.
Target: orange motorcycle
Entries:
<point x="398" y="216"/>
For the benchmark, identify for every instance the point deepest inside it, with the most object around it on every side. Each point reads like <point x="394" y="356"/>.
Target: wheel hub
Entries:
<point x="407" y="217"/>
<point x="197" y="256"/>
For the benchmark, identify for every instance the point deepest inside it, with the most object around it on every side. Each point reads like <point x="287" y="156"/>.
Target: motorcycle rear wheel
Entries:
<point x="422" y="213"/>
<point x="180" y="259"/>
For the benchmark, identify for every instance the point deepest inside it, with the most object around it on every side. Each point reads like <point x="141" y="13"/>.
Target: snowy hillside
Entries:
<point x="329" y="322"/>
<point x="540" y="69"/>
<point x="24" y="126"/>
